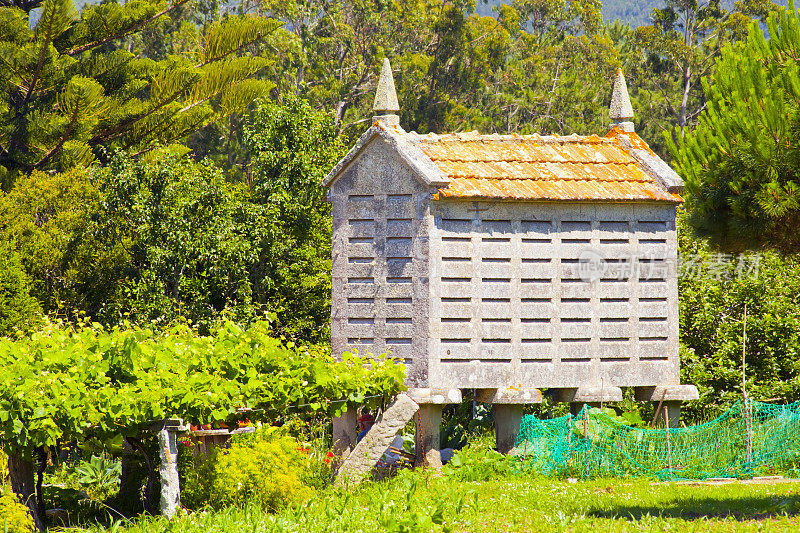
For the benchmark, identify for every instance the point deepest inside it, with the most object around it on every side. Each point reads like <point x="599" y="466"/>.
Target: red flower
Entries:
<point x="330" y="454"/>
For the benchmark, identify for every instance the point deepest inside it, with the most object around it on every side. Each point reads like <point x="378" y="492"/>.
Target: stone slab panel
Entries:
<point x="366" y="453"/>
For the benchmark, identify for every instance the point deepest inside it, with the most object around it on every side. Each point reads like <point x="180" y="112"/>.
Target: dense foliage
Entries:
<point x="163" y="237"/>
<point x="293" y="148"/>
<point x="183" y="242"/>
<point x="64" y="384"/>
<point x="713" y="293"/>
<point x="741" y="162"/>
<point x="69" y="83"/>
<point x="18" y="309"/>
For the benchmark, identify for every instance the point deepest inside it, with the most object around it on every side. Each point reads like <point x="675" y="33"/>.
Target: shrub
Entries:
<point x="14" y="517"/>
<point x="264" y="469"/>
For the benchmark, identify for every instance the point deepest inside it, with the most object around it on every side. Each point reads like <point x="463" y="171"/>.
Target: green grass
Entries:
<point x="425" y="501"/>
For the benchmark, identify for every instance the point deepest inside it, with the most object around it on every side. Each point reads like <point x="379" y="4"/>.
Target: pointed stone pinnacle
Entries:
<point x="385" y="95"/>
<point x="620" y="109"/>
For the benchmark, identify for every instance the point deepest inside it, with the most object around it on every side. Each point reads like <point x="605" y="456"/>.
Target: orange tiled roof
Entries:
<point x="533" y="167"/>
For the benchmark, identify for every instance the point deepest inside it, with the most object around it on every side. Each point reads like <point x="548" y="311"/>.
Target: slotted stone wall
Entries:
<point x="381" y="223"/>
<point x="555" y="295"/>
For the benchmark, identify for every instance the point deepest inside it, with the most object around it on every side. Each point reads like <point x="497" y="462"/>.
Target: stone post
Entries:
<point x="427" y="422"/>
<point x="670" y="398"/>
<point x="507" y="406"/>
<point x="673" y="410"/>
<point x="168" y="467"/>
<point x="344" y="435"/>
<point x="507" y="421"/>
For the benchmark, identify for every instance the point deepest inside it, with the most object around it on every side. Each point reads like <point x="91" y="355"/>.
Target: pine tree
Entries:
<point x="742" y="163"/>
<point x="69" y="85"/>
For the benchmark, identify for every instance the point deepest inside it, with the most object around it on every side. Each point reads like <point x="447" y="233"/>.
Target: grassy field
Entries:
<point x="428" y="501"/>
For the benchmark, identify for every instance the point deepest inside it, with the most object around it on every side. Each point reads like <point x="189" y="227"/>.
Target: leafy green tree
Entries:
<point x="742" y="162"/>
<point x="681" y="46"/>
<point x="44" y="218"/>
<point x="69" y="85"/>
<point x="18" y="309"/>
<point x="293" y="147"/>
<point x="184" y="234"/>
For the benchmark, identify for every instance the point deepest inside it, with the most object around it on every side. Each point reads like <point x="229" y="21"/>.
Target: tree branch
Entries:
<point x="125" y="32"/>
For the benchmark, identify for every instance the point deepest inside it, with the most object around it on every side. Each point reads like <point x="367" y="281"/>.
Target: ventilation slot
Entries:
<point x="369" y="321"/>
<point x="367" y="340"/>
<point x="361" y="300"/>
<point x="360" y="280"/>
<point x="398" y="197"/>
<point x="399" y="320"/>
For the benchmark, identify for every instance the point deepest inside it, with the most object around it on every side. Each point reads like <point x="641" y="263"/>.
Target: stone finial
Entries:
<point x="386" y="106"/>
<point x="621" y="111"/>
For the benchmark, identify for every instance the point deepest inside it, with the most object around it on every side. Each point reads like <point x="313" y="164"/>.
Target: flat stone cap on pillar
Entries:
<point x="508" y="396"/>
<point x="667" y="393"/>
<point x="590" y="394"/>
<point x="437" y="396"/>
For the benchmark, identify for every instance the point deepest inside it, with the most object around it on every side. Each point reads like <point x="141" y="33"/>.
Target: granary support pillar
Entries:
<point x="344" y="433"/>
<point x="669" y="398"/>
<point x="427" y="421"/>
<point x="508" y="406"/>
<point x="591" y="394"/>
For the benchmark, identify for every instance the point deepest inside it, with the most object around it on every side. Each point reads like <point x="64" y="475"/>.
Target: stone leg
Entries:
<point x="576" y="407"/>
<point x="507" y="421"/>
<point x="428" y="421"/>
<point x="344" y="435"/>
<point x="673" y="410"/>
<point x="170" y="487"/>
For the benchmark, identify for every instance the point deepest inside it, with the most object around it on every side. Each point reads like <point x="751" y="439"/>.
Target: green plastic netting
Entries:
<point x="752" y="439"/>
